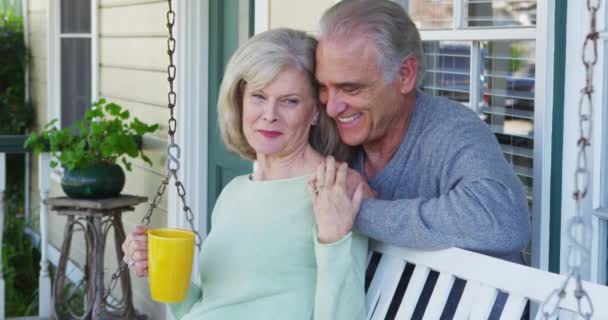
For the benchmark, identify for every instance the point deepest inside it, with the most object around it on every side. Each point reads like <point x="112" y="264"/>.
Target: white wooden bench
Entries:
<point x="396" y="277"/>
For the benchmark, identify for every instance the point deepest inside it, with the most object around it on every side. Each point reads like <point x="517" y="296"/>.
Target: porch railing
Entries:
<point x="14" y="144"/>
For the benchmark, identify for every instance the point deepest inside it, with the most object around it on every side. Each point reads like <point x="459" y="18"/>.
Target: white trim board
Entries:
<point x="192" y="62"/>
<point x="261" y="20"/>
<point x="578" y="24"/>
<point x="543" y="124"/>
<point x="479" y="34"/>
<point x="192" y="38"/>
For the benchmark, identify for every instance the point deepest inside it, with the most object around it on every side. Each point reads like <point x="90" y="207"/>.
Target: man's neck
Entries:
<point x="379" y="153"/>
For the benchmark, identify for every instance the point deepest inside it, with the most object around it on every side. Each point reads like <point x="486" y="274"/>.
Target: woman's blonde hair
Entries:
<point x="256" y="63"/>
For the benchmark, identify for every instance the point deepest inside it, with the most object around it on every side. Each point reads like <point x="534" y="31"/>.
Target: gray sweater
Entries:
<point x="448" y="185"/>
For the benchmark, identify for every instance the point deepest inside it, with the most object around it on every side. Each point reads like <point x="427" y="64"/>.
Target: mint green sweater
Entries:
<point x="262" y="260"/>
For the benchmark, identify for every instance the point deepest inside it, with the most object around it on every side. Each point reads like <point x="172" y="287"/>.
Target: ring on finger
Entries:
<point x="318" y="188"/>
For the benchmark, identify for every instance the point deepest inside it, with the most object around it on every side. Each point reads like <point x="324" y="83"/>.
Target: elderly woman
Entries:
<point x="278" y="249"/>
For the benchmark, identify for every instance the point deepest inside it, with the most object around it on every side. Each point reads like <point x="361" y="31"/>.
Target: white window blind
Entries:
<point x="448" y="70"/>
<point x="508" y="101"/>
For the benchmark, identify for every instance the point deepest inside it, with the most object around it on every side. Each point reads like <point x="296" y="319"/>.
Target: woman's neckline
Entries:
<point x="288" y="179"/>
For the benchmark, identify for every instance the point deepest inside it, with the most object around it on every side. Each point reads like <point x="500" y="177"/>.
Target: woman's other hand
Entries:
<point x="135" y="249"/>
<point x="335" y="209"/>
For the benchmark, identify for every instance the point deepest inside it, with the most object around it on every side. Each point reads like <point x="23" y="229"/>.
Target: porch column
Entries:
<point x="2" y="188"/>
<point x="44" y="280"/>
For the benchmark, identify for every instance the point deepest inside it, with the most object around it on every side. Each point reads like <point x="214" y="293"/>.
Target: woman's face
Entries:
<point x="277" y="118"/>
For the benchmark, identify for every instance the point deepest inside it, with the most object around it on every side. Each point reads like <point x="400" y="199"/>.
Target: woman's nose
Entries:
<point x="270" y="113"/>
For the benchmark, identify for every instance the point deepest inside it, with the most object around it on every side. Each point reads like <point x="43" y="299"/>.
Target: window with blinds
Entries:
<point x="75" y="60"/>
<point x="507" y="78"/>
<point x="503" y="95"/>
<point x="448" y="70"/>
<point x="491" y="76"/>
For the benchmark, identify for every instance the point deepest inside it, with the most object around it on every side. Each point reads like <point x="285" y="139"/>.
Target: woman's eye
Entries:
<point x="258" y="97"/>
<point x="291" y="102"/>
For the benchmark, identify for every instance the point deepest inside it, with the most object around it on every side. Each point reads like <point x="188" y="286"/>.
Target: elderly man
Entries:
<point x="439" y="175"/>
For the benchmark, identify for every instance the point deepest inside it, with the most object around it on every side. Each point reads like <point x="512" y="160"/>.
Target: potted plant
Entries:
<point x="89" y="154"/>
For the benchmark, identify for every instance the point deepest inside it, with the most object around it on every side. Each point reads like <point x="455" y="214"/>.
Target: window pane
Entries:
<point x="507" y="103"/>
<point x="430" y="14"/>
<point x="498" y="13"/>
<point x="448" y="66"/>
<point x="75" y="16"/>
<point x="75" y="79"/>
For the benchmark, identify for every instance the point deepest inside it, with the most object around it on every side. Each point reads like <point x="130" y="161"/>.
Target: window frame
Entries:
<point x="54" y="36"/>
<point x="54" y="56"/>
<point x="543" y="34"/>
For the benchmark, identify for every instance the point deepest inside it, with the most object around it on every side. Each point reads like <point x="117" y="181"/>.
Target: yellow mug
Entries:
<point x="170" y="254"/>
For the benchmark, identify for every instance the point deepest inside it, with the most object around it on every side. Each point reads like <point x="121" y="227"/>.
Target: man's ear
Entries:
<point x="408" y="74"/>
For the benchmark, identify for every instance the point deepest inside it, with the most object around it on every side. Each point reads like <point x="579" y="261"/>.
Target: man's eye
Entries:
<point x="351" y="89"/>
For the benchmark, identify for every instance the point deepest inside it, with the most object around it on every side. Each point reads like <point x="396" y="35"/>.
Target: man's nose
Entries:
<point x="335" y="104"/>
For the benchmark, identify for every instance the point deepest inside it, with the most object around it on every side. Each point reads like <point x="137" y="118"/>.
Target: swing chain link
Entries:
<point x="173" y="150"/>
<point x="579" y="226"/>
<point x="173" y="155"/>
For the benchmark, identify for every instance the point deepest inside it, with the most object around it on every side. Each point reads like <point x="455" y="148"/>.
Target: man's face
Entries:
<point x="354" y="90"/>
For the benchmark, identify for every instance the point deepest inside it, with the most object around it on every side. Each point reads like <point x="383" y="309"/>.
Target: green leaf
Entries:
<point x="145" y="158"/>
<point x="113" y="109"/>
<point x="126" y="163"/>
<point x="125" y="115"/>
<point x="104" y="135"/>
<point x="141" y="128"/>
<point x="51" y="124"/>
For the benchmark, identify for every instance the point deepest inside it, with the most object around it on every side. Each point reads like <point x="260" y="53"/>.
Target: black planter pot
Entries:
<point x="95" y="182"/>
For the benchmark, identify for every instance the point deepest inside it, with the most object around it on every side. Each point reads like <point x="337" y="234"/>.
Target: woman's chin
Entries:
<point x="268" y="151"/>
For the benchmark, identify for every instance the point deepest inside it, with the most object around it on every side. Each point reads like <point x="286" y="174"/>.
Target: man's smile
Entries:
<point x="349" y="119"/>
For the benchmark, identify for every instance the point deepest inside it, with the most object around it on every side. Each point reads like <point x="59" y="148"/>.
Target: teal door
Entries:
<point x="226" y="25"/>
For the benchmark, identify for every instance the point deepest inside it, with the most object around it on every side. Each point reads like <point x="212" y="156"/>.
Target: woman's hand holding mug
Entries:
<point x="135" y="249"/>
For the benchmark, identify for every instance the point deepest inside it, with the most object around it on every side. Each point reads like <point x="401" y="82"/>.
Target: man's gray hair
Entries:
<point x="382" y="21"/>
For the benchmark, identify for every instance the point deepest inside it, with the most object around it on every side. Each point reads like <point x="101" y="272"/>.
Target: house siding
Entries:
<point x="282" y="14"/>
<point x="132" y="72"/>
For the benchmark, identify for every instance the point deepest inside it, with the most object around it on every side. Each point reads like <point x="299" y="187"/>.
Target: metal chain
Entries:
<point x="579" y="227"/>
<point x="173" y="155"/>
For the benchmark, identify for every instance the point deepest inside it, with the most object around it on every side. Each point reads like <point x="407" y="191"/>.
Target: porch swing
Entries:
<point x="396" y="277"/>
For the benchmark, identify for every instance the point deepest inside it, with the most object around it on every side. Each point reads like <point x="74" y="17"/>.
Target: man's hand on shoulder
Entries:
<point x="353" y="179"/>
